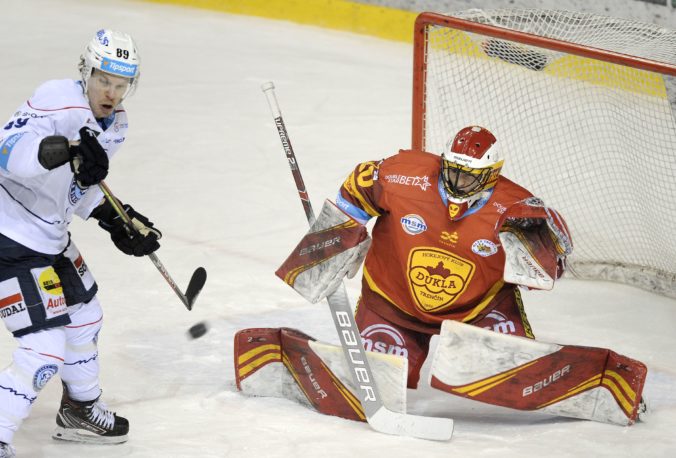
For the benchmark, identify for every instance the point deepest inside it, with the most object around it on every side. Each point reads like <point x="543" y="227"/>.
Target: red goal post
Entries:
<point x="585" y="109"/>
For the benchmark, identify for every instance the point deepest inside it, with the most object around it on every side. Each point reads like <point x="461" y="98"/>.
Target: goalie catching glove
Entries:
<point x="140" y="240"/>
<point x="536" y="241"/>
<point x="334" y="247"/>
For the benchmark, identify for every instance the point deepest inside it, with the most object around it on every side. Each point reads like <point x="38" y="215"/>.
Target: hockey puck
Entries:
<point x="198" y="330"/>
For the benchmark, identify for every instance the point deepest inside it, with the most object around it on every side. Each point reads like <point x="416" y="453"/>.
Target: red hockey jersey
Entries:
<point x="420" y="262"/>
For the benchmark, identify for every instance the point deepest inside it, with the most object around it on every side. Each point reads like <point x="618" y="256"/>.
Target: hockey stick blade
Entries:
<point x="197" y="281"/>
<point x="399" y="424"/>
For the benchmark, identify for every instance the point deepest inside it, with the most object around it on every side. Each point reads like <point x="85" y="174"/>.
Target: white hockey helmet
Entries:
<point x="114" y="53"/>
<point x="472" y="162"/>
<point x="470" y="166"/>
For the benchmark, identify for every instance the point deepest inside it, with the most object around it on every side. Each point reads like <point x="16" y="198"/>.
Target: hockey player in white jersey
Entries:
<point x="54" y="151"/>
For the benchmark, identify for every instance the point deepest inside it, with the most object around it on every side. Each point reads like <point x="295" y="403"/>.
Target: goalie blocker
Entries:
<point x="334" y="247"/>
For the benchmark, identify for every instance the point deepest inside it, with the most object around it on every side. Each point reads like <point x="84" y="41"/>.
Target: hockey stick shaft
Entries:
<point x="378" y="416"/>
<point x="199" y="276"/>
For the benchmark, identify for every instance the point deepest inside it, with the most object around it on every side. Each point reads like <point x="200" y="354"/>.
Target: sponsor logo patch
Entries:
<point x="413" y="224"/>
<point x="449" y="238"/>
<point x="11" y="305"/>
<point x="13" y="309"/>
<point x="43" y="375"/>
<point x="484" y="248"/>
<point x="375" y="337"/>
<point x="118" y="68"/>
<point x="419" y="182"/>
<point x="502" y="324"/>
<point x="51" y="292"/>
<point x="50" y="282"/>
<point x="7" y="147"/>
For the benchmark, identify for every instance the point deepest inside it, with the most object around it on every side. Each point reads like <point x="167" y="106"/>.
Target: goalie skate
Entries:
<point x="89" y="422"/>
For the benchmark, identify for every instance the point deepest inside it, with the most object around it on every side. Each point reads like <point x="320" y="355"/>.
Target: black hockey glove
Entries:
<point x="88" y="160"/>
<point x="139" y="241"/>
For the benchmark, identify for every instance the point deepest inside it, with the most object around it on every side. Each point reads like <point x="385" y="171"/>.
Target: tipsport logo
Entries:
<point x="118" y="68"/>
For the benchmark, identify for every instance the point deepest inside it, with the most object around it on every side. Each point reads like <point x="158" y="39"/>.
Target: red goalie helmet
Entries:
<point x="471" y="164"/>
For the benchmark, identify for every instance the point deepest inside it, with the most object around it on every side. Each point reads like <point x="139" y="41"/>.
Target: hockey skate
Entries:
<point x="6" y="451"/>
<point x="89" y="422"/>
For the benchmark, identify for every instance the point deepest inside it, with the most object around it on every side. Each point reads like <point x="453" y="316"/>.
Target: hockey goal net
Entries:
<point x="584" y="108"/>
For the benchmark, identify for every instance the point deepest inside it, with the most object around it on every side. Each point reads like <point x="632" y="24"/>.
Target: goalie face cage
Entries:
<point x="583" y="107"/>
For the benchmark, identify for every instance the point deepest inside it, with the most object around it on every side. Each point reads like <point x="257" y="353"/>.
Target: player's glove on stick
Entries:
<point x="89" y="161"/>
<point x="334" y="247"/>
<point x="140" y="241"/>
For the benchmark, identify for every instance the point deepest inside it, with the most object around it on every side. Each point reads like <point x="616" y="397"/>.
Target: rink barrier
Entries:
<point x="378" y="21"/>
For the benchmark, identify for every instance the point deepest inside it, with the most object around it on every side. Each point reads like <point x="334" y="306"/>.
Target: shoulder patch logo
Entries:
<point x="413" y="224"/>
<point x="484" y="248"/>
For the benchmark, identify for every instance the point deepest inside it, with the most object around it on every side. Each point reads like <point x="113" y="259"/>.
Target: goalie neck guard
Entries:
<point x="469" y="168"/>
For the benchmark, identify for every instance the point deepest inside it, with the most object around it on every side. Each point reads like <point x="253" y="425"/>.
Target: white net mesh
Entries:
<point x="593" y="139"/>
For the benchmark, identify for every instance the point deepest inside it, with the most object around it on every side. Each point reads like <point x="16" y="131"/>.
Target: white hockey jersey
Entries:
<point x="36" y="205"/>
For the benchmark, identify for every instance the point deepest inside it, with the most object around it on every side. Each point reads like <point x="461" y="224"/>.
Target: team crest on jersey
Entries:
<point x="437" y="278"/>
<point x="413" y="224"/>
<point x="484" y="248"/>
<point x="75" y="193"/>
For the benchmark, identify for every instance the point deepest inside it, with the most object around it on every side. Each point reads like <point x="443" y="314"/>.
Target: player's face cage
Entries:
<point x="461" y="181"/>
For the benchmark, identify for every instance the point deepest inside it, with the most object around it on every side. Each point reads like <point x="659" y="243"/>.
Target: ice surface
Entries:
<point x="204" y="162"/>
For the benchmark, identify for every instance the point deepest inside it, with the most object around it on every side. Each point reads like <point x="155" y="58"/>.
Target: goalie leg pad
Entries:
<point x="572" y="381"/>
<point x="283" y="362"/>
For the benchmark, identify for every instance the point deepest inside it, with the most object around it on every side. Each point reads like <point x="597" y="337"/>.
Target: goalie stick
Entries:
<point x="379" y="417"/>
<point x="199" y="277"/>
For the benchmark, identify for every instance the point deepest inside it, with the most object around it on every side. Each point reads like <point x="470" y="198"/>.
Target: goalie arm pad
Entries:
<point x="334" y="247"/>
<point x="536" y="241"/>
